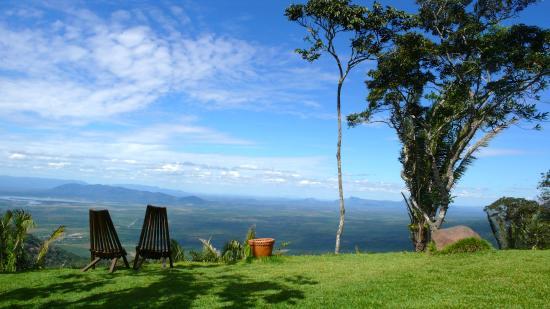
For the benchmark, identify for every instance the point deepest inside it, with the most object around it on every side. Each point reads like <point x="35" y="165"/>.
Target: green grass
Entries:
<point x="489" y="279"/>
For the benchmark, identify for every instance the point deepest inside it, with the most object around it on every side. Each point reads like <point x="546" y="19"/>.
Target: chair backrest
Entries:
<point x="103" y="236"/>
<point x="155" y="237"/>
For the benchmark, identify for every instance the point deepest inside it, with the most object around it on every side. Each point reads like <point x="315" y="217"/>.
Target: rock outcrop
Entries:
<point x="448" y="236"/>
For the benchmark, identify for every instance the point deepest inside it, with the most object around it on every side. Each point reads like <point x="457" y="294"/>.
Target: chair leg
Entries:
<point x="138" y="262"/>
<point x="125" y="261"/>
<point x="92" y="264"/>
<point x="163" y="262"/>
<point x="136" y="259"/>
<point x="141" y="262"/>
<point x="171" y="262"/>
<point x="91" y="259"/>
<point x="113" y="265"/>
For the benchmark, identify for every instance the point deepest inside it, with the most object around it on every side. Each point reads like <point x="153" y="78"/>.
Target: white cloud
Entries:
<point x="16" y="156"/>
<point x="58" y="165"/>
<point x="170" y="168"/>
<point x="306" y="182"/>
<point x="276" y="180"/>
<point x="232" y="174"/>
<point x="190" y="132"/>
<point x="498" y="152"/>
<point x="84" y="67"/>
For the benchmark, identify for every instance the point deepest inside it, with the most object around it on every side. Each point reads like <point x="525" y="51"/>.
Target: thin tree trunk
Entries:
<point x="339" y="161"/>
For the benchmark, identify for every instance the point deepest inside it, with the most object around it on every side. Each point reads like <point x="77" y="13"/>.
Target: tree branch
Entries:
<point x="482" y="142"/>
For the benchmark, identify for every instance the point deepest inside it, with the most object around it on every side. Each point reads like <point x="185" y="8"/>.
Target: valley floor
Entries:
<point x="495" y="279"/>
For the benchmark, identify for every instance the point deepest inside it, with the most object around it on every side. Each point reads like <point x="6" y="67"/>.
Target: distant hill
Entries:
<point x="10" y="184"/>
<point x="104" y="193"/>
<point x="177" y="193"/>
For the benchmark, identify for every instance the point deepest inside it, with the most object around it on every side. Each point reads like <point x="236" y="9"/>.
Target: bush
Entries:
<point x="178" y="253"/>
<point x="233" y="251"/>
<point x="14" y="230"/>
<point x="466" y="245"/>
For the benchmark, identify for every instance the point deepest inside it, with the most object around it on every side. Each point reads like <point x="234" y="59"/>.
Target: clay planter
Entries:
<point x="261" y="246"/>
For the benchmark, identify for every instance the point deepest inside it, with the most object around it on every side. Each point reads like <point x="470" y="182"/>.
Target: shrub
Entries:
<point x="14" y="228"/>
<point x="178" y="254"/>
<point x="233" y="251"/>
<point x="432" y="249"/>
<point x="466" y="245"/>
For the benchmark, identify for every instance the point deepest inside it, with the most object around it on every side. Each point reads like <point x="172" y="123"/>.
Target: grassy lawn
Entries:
<point x="495" y="279"/>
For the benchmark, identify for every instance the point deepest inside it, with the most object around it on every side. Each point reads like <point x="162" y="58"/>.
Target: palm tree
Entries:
<point x="14" y="228"/>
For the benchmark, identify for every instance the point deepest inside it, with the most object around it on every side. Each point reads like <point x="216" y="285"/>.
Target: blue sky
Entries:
<point x="207" y="97"/>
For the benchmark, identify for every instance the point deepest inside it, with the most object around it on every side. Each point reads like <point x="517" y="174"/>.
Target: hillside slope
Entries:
<point x="104" y="193"/>
<point x="495" y="279"/>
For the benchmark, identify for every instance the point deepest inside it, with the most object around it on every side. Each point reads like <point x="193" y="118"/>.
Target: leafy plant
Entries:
<point x="281" y="249"/>
<point x="466" y="245"/>
<point x="58" y="233"/>
<point x="14" y="228"/>
<point x="431" y="247"/>
<point x="233" y="251"/>
<point x="178" y="253"/>
<point x="209" y="252"/>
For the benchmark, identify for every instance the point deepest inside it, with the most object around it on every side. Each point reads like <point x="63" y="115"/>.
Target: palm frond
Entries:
<point x="178" y="253"/>
<point x="58" y="233"/>
<point x="209" y="252"/>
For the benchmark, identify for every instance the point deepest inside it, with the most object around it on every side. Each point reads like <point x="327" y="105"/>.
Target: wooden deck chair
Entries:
<point x="154" y="242"/>
<point x="104" y="242"/>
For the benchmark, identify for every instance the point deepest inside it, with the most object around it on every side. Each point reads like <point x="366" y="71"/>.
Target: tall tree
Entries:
<point x="449" y="87"/>
<point x="367" y="31"/>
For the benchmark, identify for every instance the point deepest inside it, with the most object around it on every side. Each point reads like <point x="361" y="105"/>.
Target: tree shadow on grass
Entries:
<point x="239" y="291"/>
<point x="178" y="287"/>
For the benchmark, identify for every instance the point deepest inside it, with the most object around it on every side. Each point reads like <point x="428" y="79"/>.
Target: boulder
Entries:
<point x="448" y="236"/>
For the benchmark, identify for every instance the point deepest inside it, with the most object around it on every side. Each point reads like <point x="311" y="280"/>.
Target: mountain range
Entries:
<point x="78" y="190"/>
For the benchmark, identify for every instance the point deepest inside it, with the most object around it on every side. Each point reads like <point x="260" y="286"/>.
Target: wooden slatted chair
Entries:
<point x="104" y="242"/>
<point x="154" y="242"/>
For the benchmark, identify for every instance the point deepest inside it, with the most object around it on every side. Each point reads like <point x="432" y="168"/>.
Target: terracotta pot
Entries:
<point x="261" y="246"/>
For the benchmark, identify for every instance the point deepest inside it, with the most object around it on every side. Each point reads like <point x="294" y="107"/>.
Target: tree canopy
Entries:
<point x="449" y="84"/>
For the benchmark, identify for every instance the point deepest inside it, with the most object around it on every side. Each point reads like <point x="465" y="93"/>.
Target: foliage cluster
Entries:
<point x="178" y="253"/>
<point x="232" y="252"/>
<point x="466" y="245"/>
<point x="14" y="228"/>
<point x="518" y="223"/>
